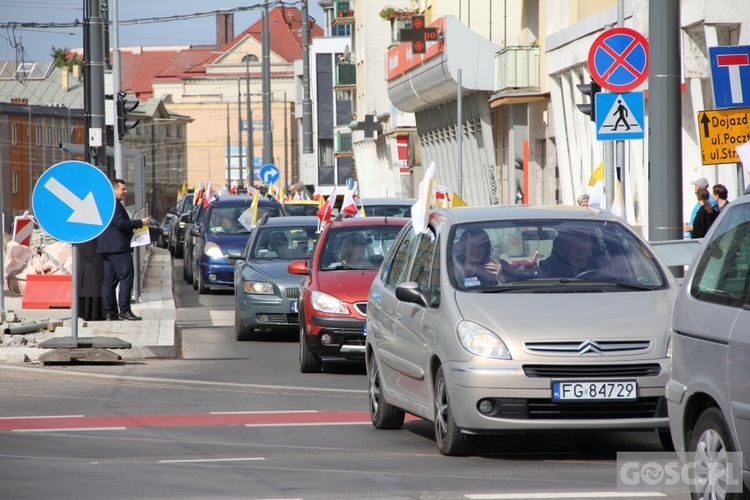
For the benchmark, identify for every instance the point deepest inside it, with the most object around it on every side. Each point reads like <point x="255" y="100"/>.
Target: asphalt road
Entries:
<point x="238" y="420"/>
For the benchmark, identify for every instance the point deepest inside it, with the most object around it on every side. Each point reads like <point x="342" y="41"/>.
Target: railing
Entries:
<point x="517" y="67"/>
<point x="346" y="74"/>
<point x="342" y="8"/>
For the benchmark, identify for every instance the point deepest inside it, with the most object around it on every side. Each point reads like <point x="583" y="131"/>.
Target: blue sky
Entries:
<point x="37" y="43"/>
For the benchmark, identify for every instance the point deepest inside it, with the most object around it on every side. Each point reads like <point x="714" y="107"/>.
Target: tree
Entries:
<point x="62" y="59"/>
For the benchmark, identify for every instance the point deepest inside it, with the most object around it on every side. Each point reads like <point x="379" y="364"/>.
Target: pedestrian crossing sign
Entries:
<point x="619" y="116"/>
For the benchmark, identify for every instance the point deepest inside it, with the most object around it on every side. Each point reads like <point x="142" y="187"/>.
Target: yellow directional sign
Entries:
<point x="721" y="132"/>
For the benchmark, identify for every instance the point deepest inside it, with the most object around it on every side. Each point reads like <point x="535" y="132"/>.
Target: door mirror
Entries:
<point x="299" y="267"/>
<point x="410" y="292"/>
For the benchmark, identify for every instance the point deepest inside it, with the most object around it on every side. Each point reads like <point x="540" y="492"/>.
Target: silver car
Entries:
<point x="520" y="318"/>
<point x="709" y="392"/>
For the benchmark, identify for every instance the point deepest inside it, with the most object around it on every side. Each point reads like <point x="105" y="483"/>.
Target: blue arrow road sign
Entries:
<point x="619" y="116"/>
<point x="269" y="173"/>
<point x="730" y="76"/>
<point x="73" y="201"/>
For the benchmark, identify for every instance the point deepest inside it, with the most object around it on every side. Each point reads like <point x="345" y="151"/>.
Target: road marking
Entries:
<point x="557" y="494"/>
<point x="259" y="412"/>
<point x="67" y="429"/>
<point x="43" y="416"/>
<point x="185" y="381"/>
<point x="199" y="460"/>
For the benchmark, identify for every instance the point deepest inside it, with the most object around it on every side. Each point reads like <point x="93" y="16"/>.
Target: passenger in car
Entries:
<point x="474" y="264"/>
<point x="571" y="255"/>
<point x="278" y="243"/>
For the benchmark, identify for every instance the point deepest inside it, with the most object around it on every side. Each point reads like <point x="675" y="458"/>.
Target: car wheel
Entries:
<point x="711" y="441"/>
<point x="450" y="439"/>
<point x="241" y="332"/>
<point x="383" y="415"/>
<point x="666" y="439"/>
<point x="185" y="273"/>
<point x="308" y="362"/>
<point x="170" y="246"/>
<point x="199" y="285"/>
<point x="178" y="251"/>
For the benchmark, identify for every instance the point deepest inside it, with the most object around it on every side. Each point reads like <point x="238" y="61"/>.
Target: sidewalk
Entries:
<point x="153" y="337"/>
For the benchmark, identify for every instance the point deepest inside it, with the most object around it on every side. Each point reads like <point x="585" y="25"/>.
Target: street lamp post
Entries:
<point x="250" y="127"/>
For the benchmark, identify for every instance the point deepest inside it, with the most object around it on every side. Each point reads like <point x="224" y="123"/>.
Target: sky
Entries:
<point x="37" y="43"/>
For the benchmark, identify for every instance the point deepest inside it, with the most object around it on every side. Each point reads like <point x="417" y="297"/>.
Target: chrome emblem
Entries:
<point x="589" y="346"/>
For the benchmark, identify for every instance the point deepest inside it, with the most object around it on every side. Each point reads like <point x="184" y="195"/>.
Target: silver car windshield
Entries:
<point x="524" y="253"/>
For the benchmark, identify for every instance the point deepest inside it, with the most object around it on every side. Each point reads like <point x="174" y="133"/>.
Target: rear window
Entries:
<point x="293" y="209"/>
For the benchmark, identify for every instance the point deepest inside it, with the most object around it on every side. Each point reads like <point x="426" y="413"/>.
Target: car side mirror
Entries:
<point x="410" y="292"/>
<point x="172" y="211"/>
<point x="233" y="255"/>
<point x="299" y="267"/>
<point x="194" y="231"/>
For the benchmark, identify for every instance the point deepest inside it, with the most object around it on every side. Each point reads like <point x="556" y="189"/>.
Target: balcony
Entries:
<point x="397" y="24"/>
<point x="343" y="12"/>
<point x="343" y="144"/>
<point x="517" y="68"/>
<point x="346" y="77"/>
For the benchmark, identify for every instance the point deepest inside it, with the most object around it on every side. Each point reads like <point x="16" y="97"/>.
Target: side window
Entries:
<point x="420" y="270"/>
<point x="435" y="278"/>
<point x="721" y="274"/>
<point x="401" y="258"/>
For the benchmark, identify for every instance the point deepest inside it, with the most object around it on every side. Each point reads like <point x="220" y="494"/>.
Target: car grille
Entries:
<point x="588" y="371"/>
<point x="289" y="318"/>
<point x="538" y="409"/>
<point x="603" y="347"/>
<point x="361" y="308"/>
<point x="292" y="293"/>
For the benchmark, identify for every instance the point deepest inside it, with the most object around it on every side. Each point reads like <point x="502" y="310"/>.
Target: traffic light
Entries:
<point x="124" y="107"/>
<point x="589" y="89"/>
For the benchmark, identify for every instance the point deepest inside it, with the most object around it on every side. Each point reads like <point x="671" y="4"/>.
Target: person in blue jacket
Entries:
<point x="114" y="246"/>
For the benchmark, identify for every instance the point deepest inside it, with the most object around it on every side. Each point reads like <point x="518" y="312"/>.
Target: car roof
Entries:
<point x="369" y="221"/>
<point x="386" y="201"/>
<point x="495" y="212"/>
<point x="238" y="200"/>
<point x="294" y="220"/>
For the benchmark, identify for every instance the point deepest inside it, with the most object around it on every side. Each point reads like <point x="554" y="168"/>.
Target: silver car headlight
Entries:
<point x="213" y="250"/>
<point x="260" y="287"/>
<point x="328" y="303"/>
<point x="480" y="341"/>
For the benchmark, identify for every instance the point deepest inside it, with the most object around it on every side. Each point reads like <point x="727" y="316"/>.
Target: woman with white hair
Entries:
<point x="583" y="200"/>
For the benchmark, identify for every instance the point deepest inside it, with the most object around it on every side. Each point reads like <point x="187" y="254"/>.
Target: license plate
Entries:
<point x="365" y="327"/>
<point x="594" y="390"/>
<point x="293" y="306"/>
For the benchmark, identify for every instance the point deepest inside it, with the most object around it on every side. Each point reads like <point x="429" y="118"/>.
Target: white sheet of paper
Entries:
<point x="141" y="236"/>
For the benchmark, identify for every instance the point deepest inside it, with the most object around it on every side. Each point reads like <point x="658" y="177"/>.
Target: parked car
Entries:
<point x="266" y="294"/>
<point x="709" y="391"/>
<point x="220" y="231"/>
<point x="333" y="292"/>
<point x="154" y="230"/>
<point x="177" y="224"/>
<point x="392" y="207"/>
<point x="301" y="207"/>
<point x="162" y="240"/>
<point x="512" y="318"/>
<point x="195" y="217"/>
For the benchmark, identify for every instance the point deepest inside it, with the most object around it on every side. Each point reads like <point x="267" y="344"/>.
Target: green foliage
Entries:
<point x="61" y="59"/>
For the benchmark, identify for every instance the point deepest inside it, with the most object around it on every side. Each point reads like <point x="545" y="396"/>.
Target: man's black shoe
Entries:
<point x="112" y="317"/>
<point x="129" y="316"/>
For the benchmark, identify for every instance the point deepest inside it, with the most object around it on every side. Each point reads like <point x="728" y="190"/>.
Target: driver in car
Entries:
<point x="571" y="255"/>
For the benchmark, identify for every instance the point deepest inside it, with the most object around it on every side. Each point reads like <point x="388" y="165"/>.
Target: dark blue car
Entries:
<point x="225" y="227"/>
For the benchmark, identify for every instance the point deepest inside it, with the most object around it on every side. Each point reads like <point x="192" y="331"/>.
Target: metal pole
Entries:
<point x="459" y="134"/>
<point x="307" y="133"/>
<point x="239" y="131"/>
<point x="286" y="144"/>
<point x="665" y="139"/>
<point x="620" y="145"/>
<point x="116" y="85"/>
<point x="250" y="128"/>
<point x="229" y="146"/>
<point x="266" y="72"/>
<point x="609" y="177"/>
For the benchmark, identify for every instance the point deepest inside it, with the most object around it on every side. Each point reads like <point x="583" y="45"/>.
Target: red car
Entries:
<point x="335" y="286"/>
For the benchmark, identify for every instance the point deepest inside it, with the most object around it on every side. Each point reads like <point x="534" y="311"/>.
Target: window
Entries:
<point x="49" y="135"/>
<point x="14" y="134"/>
<point x="400" y="264"/>
<point x="722" y="271"/>
<point x="58" y="135"/>
<point x="15" y="181"/>
<point x="38" y="135"/>
<point x="423" y="265"/>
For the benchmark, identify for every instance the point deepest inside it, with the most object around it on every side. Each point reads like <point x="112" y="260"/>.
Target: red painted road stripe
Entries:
<point x="332" y="417"/>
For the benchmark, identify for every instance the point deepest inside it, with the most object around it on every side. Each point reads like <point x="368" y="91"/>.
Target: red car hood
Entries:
<point x="349" y="286"/>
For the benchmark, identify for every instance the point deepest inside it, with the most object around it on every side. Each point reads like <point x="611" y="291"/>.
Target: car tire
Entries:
<point x="383" y="415"/>
<point x="241" y="332"/>
<point x="199" y="285"/>
<point x="665" y="437"/>
<point x="308" y="362"/>
<point x="711" y="438"/>
<point x="451" y="441"/>
<point x="185" y="274"/>
<point x="178" y="251"/>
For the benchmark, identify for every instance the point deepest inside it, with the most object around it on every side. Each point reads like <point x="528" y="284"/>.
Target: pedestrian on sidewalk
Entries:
<point x="114" y="246"/>
<point x="90" y="276"/>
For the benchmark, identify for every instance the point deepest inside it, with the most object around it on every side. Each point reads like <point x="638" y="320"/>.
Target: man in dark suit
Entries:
<point x="114" y="246"/>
